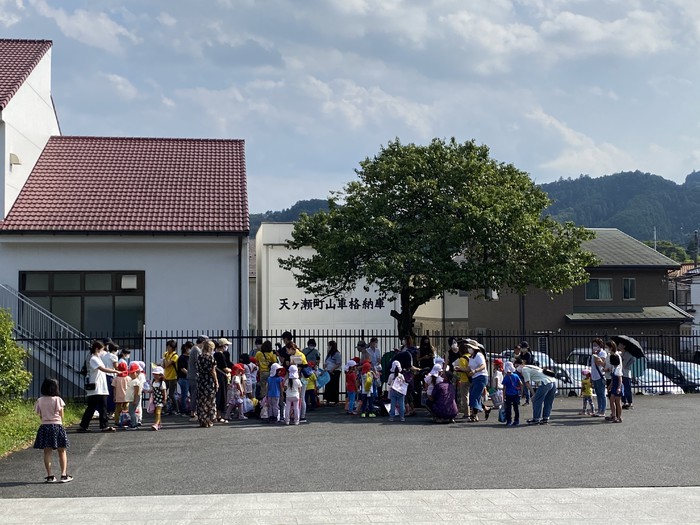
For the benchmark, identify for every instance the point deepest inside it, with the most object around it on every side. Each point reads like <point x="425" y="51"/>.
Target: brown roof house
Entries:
<point x="627" y="292"/>
<point x="114" y="235"/>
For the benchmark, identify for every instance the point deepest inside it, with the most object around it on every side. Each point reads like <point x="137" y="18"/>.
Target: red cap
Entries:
<point x="366" y="367"/>
<point x="133" y="367"/>
<point x="238" y="368"/>
<point x="122" y="368"/>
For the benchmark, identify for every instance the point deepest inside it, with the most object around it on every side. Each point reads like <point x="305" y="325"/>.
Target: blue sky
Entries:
<point x="555" y="87"/>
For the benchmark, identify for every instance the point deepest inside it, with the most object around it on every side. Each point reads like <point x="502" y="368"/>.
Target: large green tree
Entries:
<point x="424" y="220"/>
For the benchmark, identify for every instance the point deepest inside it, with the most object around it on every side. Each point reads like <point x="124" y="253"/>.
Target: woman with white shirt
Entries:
<point x="479" y="379"/>
<point x="543" y="398"/>
<point x="96" y="389"/>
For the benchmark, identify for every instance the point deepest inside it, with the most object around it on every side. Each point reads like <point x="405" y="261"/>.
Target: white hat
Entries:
<point x="439" y="361"/>
<point x="436" y="370"/>
<point x="157" y="370"/>
<point x="273" y="369"/>
<point x="293" y="372"/>
<point x="508" y="367"/>
<point x="350" y="364"/>
<point x="396" y="366"/>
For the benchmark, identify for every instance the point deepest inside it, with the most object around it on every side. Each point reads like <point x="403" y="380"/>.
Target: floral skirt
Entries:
<point x="51" y="436"/>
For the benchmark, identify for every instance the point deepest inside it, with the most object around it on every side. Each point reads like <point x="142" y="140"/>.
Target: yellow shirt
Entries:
<point x="265" y="360"/>
<point x="171" y="369"/>
<point x="311" y="382"/>
<point x="463" y="363"/>
<point x="300" y="354"/>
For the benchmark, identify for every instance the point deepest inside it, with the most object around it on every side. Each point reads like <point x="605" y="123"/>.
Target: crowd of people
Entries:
<point x="282" y="384"/>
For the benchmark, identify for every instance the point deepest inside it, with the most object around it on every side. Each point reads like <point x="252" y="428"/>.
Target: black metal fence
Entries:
<point x="62" y="358"/>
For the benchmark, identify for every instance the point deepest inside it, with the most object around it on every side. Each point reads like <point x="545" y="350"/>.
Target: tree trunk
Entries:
<point x="405" y="318"/>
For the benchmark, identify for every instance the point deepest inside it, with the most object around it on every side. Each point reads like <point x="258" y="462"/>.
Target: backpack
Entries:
<point x="369" y="381"/>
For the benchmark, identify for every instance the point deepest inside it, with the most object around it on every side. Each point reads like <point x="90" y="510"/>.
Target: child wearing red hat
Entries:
<point x="133" y="394"/>
<point x="236" y="392"/>
<point x="119" y="384"/>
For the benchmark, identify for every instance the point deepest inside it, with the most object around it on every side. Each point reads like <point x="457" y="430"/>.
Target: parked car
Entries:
<point x="668" y="366"/>
<point x="579" y="356"/>
<point x="568" y="384"/>
<point x="653" y="382"/>
<point x="690" y="370"/>
<point x="538" y="358"/>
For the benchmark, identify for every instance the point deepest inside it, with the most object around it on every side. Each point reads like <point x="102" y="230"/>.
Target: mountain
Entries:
<point x="289" y="215"/>
<point x="633" y="202"/>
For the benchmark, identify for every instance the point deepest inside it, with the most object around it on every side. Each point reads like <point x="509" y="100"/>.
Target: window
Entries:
<point x="629" y="289"/>
<point x="599" y="290"/>
<point x="99" y="304"/>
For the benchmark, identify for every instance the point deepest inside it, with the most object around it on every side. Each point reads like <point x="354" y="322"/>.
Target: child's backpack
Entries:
<point x="369" y="380"/>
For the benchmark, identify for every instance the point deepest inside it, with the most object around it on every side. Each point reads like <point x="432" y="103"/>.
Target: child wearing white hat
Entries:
<point x="159" y="391"/>
<point x="274" y="386"/>
<point x="397" y="391"/>
<point x="292" y="388"/>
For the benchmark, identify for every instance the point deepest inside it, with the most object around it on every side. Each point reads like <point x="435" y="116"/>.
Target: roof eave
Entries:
<point x="186" y="233"/>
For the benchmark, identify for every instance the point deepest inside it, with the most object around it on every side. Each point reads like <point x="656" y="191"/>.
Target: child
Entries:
<point x="432" y="379"/>
<point x="292" y="389"/>
<point x="51" y="434"/>
<point x="133" y="395"/>
<point x="616" y="389"/>
<point x="350" y="387"/>
<point x="119" y="384"/>
<point x="397" y="392"/>
<point x="367" y="386"/>
<point x="274" y="391"/>
<point x="251" y="375"/>
<point x="311" y="399"/>
<point x="145" y="387"/>
<point x="512" y="386"/>
<point x="159" y="391"/>
<point x="236" y="392"/>
<point x="496" y="389"/>
<point x="586" y="393"/>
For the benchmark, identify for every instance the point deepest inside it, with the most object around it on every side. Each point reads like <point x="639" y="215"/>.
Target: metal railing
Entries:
<point x="54" y="348"/>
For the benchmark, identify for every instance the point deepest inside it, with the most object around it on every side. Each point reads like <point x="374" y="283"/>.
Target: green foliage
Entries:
<point x="423" y="220"/>
<point x="14" y="378"/>
<point x="289" y="215"/>
<point x="634" y="202"/>
<point x="670" y="250"/>
<point x="19" y="424"/>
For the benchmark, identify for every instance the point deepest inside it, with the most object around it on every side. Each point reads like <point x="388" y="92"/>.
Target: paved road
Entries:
<point x="655" y="446"/>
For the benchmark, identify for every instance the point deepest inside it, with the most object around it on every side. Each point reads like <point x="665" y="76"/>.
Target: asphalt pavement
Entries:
<point x="655" y="446"/>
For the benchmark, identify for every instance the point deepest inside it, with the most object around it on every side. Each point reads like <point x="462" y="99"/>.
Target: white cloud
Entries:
<point x="167" y="101"/>
<point x="125" y="89"/>
<point x="91" y="28"/>
<point x="605" y="93"/>
<point x="581" y="154"/>
<point x="166" y="19"/>
<point x="10" y="12"/>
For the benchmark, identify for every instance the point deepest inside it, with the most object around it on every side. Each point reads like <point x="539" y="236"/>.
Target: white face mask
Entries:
<point x="312" y="346"/>
<point x="520" y="368"/>
<point x="596" y="348"/>
<point x="454" y="346"/>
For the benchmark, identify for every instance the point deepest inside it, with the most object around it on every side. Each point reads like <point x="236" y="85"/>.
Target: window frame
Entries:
<point x="633" y="281"/>
<point x="598" y="279"/>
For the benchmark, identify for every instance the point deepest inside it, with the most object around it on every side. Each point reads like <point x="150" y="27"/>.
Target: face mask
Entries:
<point x="454" y="346"/>
<point x="520" y="368"/>
<point x="312" y="346"/>
<point x="596" y="347"/>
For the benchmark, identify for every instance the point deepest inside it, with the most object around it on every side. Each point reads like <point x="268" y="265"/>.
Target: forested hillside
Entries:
<point x="288" y="215"/>
<point x="633" y="202"/>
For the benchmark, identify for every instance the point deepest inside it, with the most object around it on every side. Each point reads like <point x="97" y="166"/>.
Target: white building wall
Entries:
<point x="284" y="306"/>
<point x="29" y="120"/>
<point x="190" y="283"/>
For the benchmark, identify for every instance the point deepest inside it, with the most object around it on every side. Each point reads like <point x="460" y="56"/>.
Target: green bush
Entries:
<point x="14" y="377"/>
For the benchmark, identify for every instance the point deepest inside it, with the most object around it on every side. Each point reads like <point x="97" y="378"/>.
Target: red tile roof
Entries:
<point x="134" y="185"/>
<point x="18" y="58"/>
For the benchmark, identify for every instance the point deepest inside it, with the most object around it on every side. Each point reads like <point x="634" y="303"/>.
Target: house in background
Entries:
<point x="114" y="235"/>
<point x="27" y="114"/>
<point x="627" y="292"/>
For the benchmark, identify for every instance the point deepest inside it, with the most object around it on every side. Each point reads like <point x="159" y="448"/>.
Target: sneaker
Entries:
<point x="66" y="479"/>
<point x="509" y="423"/>
<point x="242" y="418"/>
<point x="363" y="415"/>
<point x="544" y="422"/>
<point x="81" y="430"/>
<point x="403" y="419"/>
<point x="296" y="422"/>
<point x="533" y="421"/>
<point x="50" y="479"/>
<point x="391" y="420"/>
<point x="516" y="423"/>
<point x="303" y="420"/>
<point x="373" y="415"/>
<point x="154" y="427"/>
<point x="109" y="429"/>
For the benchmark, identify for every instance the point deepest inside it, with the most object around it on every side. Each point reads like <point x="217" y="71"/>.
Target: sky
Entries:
<point x="557" y="88"/>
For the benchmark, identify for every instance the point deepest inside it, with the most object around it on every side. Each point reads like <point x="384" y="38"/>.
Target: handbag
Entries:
<point x="88" y="385"/>
<point x="247" y="405"/>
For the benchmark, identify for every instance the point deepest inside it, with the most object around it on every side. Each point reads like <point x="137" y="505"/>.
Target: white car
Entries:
<point x="653" y="382"/>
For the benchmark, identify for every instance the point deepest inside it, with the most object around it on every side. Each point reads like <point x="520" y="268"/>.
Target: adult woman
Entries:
<point x="627" y="364"/>
<point x="479" y="380"/>
<point x="207" y="385"/>
<point x="96" y="389"/>
<point x="426" y="353"/>
<point x="543" y="399"/>
<point x="222" y="358"/>
<point x="265" y="358"/>
<point x="442" y="402"/>
<point x="333" y="361"/>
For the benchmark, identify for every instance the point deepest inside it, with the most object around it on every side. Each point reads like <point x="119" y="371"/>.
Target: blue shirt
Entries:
<point x="511" y="382"/>
<point x="273" y="386"/>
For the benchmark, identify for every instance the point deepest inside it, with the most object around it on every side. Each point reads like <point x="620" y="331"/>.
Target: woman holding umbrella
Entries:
<point x="630" y="350"/>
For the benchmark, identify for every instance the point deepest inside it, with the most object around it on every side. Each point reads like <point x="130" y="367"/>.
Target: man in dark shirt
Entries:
<point x="182" y="363"/>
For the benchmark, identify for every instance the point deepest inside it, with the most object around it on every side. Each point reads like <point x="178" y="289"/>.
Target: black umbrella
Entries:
<point x="631" y="345"/>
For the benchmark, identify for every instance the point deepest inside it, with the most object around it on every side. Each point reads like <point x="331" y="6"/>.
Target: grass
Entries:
<point x="18" y="427"/>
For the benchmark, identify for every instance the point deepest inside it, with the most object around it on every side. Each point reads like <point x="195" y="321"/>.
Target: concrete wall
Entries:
<point x="190" y="283"/>
<point x="275" y="285"/>
<point x="29" y="121"/>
